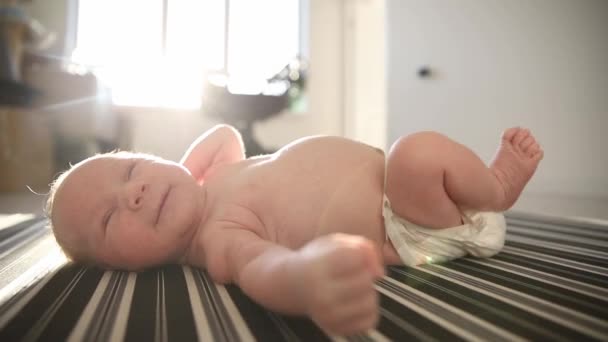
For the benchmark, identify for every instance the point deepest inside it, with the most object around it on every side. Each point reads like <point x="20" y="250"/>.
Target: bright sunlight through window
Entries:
<point x="157" y="53"/>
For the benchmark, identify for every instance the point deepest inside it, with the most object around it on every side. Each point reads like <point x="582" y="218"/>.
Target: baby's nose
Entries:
<point x="136" y="191"/>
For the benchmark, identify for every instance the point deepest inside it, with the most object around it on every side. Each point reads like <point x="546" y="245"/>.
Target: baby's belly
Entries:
<point x="300" y="222"/>
<point x="325" y="186"/>
<point x="358" y="214"/>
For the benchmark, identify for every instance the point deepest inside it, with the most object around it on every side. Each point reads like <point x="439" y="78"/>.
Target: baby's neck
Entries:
<point x="193" y="253"/>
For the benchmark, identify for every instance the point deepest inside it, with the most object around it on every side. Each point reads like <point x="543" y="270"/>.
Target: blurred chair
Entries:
<point x="25" y="143"/>
<point x="79" y="112"/>
<point x="244" y="111"/>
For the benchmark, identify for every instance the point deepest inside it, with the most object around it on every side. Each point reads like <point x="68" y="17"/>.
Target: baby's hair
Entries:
<point x="66" y="246"/>
<point x="70" y="244"/>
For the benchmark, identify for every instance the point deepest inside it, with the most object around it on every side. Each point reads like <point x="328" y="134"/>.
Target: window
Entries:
<point x="158" y="52"/>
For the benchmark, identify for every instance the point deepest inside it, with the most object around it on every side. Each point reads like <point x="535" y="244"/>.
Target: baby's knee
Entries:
<point x="417" y="149"/>
<point x="420" y="141"/>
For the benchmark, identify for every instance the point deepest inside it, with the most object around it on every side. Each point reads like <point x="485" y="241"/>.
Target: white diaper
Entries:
<point x="481" y="235"/>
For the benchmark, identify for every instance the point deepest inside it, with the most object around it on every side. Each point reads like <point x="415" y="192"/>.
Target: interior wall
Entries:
<point x="364" y="59"/>
<point x="494" y="64"/>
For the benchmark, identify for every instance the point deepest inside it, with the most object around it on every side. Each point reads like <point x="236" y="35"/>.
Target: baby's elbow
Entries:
<point x="228" y="131"/>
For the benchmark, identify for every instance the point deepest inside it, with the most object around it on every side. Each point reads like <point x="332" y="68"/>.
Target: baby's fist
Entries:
<point x="339" y="276"/>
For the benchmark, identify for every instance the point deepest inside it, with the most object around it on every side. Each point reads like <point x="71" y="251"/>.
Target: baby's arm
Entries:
<point x="220" y="145"/>
<point x="331" y="279"/>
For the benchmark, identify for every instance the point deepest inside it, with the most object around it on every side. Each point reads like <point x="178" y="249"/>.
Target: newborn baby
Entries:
<point x="306" y="230"/>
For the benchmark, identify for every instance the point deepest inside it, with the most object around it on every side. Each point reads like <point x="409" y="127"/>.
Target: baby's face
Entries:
<point x="130" y="212"/>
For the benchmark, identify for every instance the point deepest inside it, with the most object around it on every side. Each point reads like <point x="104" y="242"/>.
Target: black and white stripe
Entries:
<point x="105" y="315"/>
<point x="549" y="283"/>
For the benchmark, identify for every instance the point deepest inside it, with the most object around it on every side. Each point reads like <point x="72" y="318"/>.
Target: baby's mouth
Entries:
<point x="163" y="199"/>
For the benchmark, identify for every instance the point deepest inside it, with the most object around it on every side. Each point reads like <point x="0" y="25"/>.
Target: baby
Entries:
<point x="305" y="230"/>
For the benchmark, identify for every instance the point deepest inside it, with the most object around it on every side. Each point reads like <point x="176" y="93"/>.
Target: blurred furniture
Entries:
<point x="25" y="143"/>
<point x="53" y="113"/>
<point x="69" y="119"/>
<point x="244" y="111"/>
<point x="18" y="32"/>
<point x="79" y="112"/>
<point x="26" y="151"/>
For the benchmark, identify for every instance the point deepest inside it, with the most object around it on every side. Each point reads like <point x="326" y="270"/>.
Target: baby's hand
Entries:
<point x="338" y="283"/>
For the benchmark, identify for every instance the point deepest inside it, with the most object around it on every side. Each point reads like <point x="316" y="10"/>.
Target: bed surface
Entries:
<point x="549" y="283"/>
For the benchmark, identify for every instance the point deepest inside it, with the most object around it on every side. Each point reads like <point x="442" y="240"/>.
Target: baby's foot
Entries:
<point x="515" y="162"/>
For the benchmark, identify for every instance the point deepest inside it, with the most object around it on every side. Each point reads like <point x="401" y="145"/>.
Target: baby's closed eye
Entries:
<point x="130" y="170"/>
<point x="107" y="217"/>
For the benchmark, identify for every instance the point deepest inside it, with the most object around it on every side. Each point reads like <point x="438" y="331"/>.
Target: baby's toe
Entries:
<point x="538" y="156"/>
<point x="508" y="134"/>
<point x="520" y="136"/>
<point x="527" y="143"/>
<point x="532" y="150"/>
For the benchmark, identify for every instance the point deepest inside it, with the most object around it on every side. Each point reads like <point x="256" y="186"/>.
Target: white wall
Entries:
<point x="365" y="71"/>
<point x="541" y="64"/>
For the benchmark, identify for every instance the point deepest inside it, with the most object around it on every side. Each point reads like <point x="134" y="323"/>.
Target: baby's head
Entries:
<point x="125" y="210"/>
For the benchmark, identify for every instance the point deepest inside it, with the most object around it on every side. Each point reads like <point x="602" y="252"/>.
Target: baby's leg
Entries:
<point x="431" y="178"/>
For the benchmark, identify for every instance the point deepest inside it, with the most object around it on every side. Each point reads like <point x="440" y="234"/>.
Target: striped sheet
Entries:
<point x="549" y="283"/>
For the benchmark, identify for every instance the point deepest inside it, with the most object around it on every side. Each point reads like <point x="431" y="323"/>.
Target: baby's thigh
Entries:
<point x="415" y="185"/>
